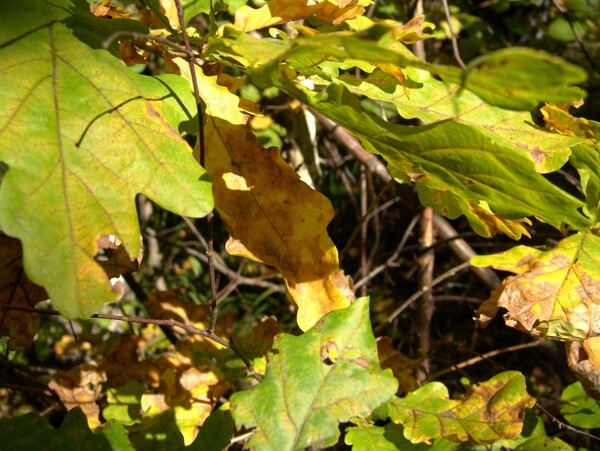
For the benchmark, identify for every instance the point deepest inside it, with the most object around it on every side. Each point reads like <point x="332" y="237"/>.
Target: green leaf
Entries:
<point x="388" y="438"/>
<point x="82" y="136"/>
<point x="545" y="443"/>
<point x="315" y="381"/>
<point x="535" y="77"/>
<point x="432" y="100"/>
<point x="216" y="431"/>
<point x="579" y="408"/>
<point x="490" y="411"/>
<point x="457" y="168"/>
<point x="31" y="431"/>
<point x="554" y="293"/>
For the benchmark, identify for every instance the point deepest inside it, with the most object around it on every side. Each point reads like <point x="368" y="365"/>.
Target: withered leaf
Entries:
<point x="555" y="294"/>
<point x="16" y="290"/>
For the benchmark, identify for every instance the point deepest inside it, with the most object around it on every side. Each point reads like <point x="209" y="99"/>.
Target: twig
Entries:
<point x="214" y="307"/>
<point x="455" y="49"/>
<point x="106" y="43"/>
<point x="450" y="273"/>
<point x="463" y="251"/>
<point x="425" y="305"/>
<point x="392" y="259"/>
<point x="157" y="322"/>
<point x="482" y="357"/>
<point x="563" y="425"/>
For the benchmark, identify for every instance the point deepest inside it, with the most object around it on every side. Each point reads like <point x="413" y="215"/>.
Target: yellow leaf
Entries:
<point x="280" y="11"/>
<point x="275" y="218"/>
<point x="555" y="294"/>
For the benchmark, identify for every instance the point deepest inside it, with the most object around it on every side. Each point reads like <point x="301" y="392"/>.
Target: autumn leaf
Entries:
<point x="81" y="387"/>
<point x="91" y="135"/>
<point x="555" y="294"/>
<point x="490" y="411"/>
<point x="583" y="360"/>
<point x="275" y="218"/>
<point x="16" y="290"/>
<point x="325" y="376"/>
<point x="275" y="12"/>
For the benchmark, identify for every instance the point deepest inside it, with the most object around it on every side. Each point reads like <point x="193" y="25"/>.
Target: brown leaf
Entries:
<point x="402" y="366"/>
<point x="81" y="387"/>
<point x="275" y="218"/>
<point x="16" y="290"/>
<point x="583" y="360"/>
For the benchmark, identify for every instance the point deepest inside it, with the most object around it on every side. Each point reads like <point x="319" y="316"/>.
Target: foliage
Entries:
<point x="100" y="103"/>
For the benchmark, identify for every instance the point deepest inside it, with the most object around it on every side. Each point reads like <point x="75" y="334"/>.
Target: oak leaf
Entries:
<point x="555" y="294"/>
<point x="315" y="381"/>
<point x="91" y="135"/>
<point x="275" y="218"/>
<point x="490" y="411"/>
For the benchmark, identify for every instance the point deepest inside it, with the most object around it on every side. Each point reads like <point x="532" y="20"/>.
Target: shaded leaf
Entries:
<point x="315" y="381"/>
<point x="583" y="360"/>
<point x="16" y="290"/>
<point x="91" y="135"/>
<point x="555" y="294"/>
<point x="579" y="408"/>
<point x="535" y="77"/>
<point x="401" y="365"/>
<point x="216" y="432"/>
<point x="545" y="443"/>
<point x="275" y="218"/>
<point x="490" y="411"/>
<point x="74" y="431"/>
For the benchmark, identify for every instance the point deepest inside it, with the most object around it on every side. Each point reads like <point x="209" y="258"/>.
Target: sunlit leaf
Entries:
<point x="315" y="381"/>
<point x="490" y="411"/>
<point x="555" y="294"/>
<point x="33" y="432"/>
<point x="275" y="12"/>
<point x="90" y="136"/>
<point x="81" y="387"/>
<point x="431" y="100"/>
<point x="275" y="218"/>
<point x="535" y="77"/>
<point x="457" y="168"/>
<point x="387" y="438"/>
<point x="16" y="290"/>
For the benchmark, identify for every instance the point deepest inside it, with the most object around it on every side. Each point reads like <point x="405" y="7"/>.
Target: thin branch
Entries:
<point x="107" y="42"/>
<point x="214" y="307"/>
<point x="486" y="356"/>
<point x="450" y="273"/>
<point x="453" y="36"/>
<point x="157" y="322"/>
